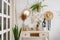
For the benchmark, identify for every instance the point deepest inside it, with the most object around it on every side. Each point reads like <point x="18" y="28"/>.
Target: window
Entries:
<point x="0" y="23"/>
<point x="8" y="10"/>
<point x="4" y="36"/>
<point x="0" y="37"/>
<point x="8" y="23"/>
<point x="4" y="23"/>
<point x="9" y="35"/>
<point x="0" y="6"/>
<point x="5" y="8"/>
<point x="5" y="19"/>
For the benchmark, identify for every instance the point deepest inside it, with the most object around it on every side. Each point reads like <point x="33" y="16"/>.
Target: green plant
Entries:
<point x="38" y="6"/>
<point x="16" y="32"/>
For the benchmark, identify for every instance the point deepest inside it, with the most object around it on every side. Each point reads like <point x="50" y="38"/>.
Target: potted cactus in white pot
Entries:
<point x="16" y="32"/>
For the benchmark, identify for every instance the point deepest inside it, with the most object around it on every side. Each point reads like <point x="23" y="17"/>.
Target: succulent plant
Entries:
<point x="16" y="32"/>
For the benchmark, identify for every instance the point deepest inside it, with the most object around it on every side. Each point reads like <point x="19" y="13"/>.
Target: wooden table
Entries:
<point x="34" y="35"/>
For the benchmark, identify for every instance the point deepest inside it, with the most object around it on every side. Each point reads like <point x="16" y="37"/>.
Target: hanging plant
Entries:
<point x="38" y="6"/>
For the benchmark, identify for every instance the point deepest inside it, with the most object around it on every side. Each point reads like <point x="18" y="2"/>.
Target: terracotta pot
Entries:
<point x="38" y="9"/>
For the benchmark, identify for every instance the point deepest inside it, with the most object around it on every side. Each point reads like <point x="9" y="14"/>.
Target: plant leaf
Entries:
<point x="16" y="32"/>
<point x="20" y="32"/>
<point x="35" y="6"/>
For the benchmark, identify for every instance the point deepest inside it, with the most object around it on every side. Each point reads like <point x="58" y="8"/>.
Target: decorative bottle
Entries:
<point x="44" y="23"/>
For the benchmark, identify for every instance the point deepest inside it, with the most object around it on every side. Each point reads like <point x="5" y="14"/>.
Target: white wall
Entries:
<point x="55" y="27"/>
<point x="53" y="5"/>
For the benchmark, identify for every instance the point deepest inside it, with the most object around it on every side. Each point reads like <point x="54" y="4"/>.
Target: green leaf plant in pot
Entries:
<point x="16" y="32"/>
<point x="38" y="6"/>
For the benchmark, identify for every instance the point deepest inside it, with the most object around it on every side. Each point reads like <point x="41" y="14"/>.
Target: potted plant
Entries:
<point x="38" y="6"/>
<point x="16" y="32"/>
